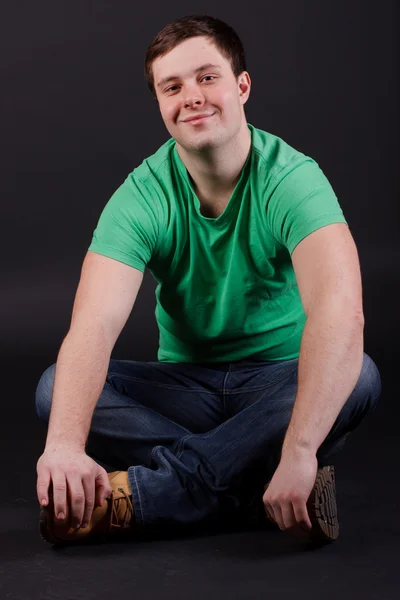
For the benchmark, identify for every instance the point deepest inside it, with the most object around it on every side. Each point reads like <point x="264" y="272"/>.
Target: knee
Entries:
<point x="44" y="393"/>
<point x="369" y="385"/>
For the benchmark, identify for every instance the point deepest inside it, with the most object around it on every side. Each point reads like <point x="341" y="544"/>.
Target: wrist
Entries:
<point x="298" y="449"/>
<point x="54" y="444"/>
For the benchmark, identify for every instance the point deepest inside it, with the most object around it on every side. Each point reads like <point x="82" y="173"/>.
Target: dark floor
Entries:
<point x="238" y="562"/>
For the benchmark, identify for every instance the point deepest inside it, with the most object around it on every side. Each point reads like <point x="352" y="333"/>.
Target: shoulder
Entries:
<point x="142" y="187"/>
<point x="155" y="167"/>
<point x="274" y="158"/>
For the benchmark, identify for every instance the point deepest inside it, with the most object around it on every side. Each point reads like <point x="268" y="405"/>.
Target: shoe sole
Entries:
<point x="322" y="507"/>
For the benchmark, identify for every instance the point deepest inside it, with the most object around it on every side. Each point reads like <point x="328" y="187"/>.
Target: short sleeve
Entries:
<point x="127" y="229"/>
<point x="301" y="202"/>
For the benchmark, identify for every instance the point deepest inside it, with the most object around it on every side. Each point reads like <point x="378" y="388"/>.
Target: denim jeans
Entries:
<point x="199" y="442"/>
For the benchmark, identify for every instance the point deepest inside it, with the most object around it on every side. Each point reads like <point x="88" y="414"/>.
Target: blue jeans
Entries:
<point x="199" y="442"/>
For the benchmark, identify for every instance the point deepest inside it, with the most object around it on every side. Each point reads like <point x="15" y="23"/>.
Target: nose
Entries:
<point x="193" y="97"/>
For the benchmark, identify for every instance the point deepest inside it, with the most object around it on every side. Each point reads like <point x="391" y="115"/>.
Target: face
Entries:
<point x="196" y="79"/>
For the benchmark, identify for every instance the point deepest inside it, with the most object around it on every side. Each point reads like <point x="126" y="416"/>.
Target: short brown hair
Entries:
<point x="224" y="37"/>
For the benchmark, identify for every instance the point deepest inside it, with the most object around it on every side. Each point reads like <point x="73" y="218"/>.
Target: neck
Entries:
<point x="216" y="171"/>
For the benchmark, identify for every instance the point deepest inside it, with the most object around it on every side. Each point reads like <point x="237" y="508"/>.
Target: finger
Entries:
<point x="59" y="494"/>
<point x="76" y="499"/>
<point x="269" y="512"/>
<point x="288" y="517"/>
<point x="301" y="515"/>
<point x="278" y="515"/>
<point x="103" y="488"/>
<point x="42" y="486"/>
<point x="88" y="484"/>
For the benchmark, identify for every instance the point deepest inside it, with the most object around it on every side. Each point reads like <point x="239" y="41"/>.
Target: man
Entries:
<point x="261" y="373"/>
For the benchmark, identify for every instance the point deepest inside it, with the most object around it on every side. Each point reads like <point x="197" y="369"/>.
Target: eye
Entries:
<point x="171" y="88"/>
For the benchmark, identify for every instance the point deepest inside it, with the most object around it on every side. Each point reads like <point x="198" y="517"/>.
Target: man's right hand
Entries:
<point x="79" y="483"/>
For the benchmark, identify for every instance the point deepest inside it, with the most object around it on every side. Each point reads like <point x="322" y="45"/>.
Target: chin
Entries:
<point x="193" y="142"/>
<point x="201" y="144"/>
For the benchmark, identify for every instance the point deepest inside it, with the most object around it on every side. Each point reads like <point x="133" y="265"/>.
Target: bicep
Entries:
<point x="105" y="296"/>
<point x="326" y="266"/>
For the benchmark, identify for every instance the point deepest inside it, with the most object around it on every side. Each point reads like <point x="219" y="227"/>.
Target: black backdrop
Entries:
<point x="76" y="118"/>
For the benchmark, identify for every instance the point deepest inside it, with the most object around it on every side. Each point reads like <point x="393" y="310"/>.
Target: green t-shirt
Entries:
<point x="226" y="286"/>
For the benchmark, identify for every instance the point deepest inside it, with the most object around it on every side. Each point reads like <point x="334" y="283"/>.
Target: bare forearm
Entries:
<point x="81" y="371"/>
<point x="330" y="363"/>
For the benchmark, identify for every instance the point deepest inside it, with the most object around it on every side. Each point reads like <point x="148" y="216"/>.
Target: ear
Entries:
<point x="244" y="83"/>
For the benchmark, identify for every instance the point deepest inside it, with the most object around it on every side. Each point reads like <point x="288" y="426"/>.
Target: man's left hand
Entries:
<point x="285" y="499"/>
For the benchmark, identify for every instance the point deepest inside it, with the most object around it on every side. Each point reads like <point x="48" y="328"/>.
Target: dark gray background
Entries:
<point x="76" y="118"/>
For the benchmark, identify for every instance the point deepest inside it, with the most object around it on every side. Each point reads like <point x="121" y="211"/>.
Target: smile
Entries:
<point x="198" y="121"/>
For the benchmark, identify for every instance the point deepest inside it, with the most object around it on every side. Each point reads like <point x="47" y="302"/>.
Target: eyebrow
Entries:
<point x="173" y="77"/>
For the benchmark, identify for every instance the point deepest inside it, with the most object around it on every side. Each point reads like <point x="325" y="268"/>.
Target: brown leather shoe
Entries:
<point x="115" y="515"/>
<point x="322" y="508"/>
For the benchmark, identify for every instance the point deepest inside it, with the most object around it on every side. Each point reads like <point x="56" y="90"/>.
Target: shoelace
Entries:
<point x="116" y="505"/>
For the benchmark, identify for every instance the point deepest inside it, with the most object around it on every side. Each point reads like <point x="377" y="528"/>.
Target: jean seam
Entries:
<point x="160" y="385"/>
<point x="138" y="493"/>
<point x="257" y="388"/>
<point x="254" y="389"/>
<point x="223" y="392"/>
<point x="183" y="444"/>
